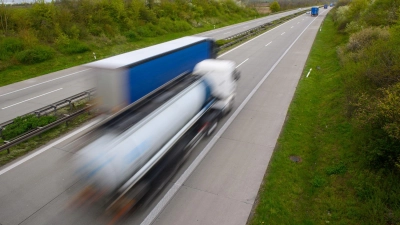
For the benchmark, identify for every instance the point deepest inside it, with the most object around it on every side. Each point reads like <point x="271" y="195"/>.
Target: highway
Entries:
<point x="218" y="184"/>
<point x="29" y="95"/>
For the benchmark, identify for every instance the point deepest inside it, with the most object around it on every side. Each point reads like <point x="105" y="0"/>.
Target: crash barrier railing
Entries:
<point x="52" y="108"/>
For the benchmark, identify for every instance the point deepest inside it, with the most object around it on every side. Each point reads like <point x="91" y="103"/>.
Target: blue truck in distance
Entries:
<point x="325" y="6"/>
<point x="314" y="11"/>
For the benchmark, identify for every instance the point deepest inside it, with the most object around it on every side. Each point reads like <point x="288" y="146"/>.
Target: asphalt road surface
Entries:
<point x="29" y="95"/>
<point x="218" y="184"/>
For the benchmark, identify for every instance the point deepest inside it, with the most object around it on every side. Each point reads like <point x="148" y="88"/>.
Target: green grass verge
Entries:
<point x="332" y="183"/>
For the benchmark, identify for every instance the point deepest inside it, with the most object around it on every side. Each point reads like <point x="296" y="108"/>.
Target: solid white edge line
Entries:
<point x="10" y="167"/>
<point x="242" y="63"/>
<point x="31" y="98"/>
<point x="171" y="192"/>
<point x="45" y="82"/>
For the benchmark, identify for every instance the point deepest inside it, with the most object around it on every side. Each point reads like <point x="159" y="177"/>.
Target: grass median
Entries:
<point x="331" y="182"/>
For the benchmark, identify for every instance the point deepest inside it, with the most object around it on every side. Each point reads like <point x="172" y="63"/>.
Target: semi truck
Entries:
<point x="128" y="77"/>
<point x="314" y="11"/>
<point x="123" y="157"/>
<point x="325" y="6"/>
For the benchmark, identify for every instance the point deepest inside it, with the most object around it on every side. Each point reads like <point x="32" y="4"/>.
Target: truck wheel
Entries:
<point x="212" y="127"/>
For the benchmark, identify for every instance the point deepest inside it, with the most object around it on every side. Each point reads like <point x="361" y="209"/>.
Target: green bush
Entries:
<point x="275" y="7"/>
<point x="378" y="117"/>
<point x="133" y="35"/>
<point x="73" y="47"/>
<point x="181" y="26"/>
<point x="365" y="37"/>
<point x="222" y="42"/>
<point x="9" y="46"/>
<point x="24" y="124"/>
<point x="150" y="30"/>
<point x="35" y="55"/>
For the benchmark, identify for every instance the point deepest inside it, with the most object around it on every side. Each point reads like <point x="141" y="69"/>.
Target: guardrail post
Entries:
<point x="88" y="93"/>
<point x="66" y="122"/>
<point x="69" y="102"/>
<point x="55" y="109"/>
<point x="8" y="149"/>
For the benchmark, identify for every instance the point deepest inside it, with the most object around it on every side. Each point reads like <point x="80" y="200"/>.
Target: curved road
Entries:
<point x="29" y="95"/>
<point x="219" y="182"/>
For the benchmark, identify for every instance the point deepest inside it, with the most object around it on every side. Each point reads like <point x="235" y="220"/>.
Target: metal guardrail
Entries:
<point x="52" y="108"/>
<point x="39" y="130"/>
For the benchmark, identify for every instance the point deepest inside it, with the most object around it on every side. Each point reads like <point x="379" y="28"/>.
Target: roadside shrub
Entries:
<point x="355" y="26"/>
<point x="379" y="117"/>
<point x="173" y="26"/>
<point x="382" y="13"/>
<point x="365" y="37"/>
<point x="274" y="7"/>
<point x="341" y="16"/>
<point x="25" y="124"/>
<point x="150" y="30"/>
<point x="181" y="26"/>
<point x="73" y="47"/>
<point x="35" y="55"/>
<point x="132" y="35"/>
<point x="166" y="23"/>
<point x="222" y="42"/>
<point x="9" y="46"/>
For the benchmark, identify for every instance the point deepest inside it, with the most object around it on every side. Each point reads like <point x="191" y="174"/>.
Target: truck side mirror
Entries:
<point x="236" y="75"/>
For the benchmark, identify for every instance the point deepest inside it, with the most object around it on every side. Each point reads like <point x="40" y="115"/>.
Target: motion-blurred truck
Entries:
<point x="160" y="102"/>
<point x="325" y="6"/>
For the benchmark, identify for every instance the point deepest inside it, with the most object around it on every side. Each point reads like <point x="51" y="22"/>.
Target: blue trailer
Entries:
<point x="314" y="11"/>
<point x="134" y="75"/>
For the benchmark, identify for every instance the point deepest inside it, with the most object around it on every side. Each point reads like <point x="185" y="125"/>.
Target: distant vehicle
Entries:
<point x="331" y="5"/>
<point x="325" y="6"/>
<point x="314" y="11"/>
